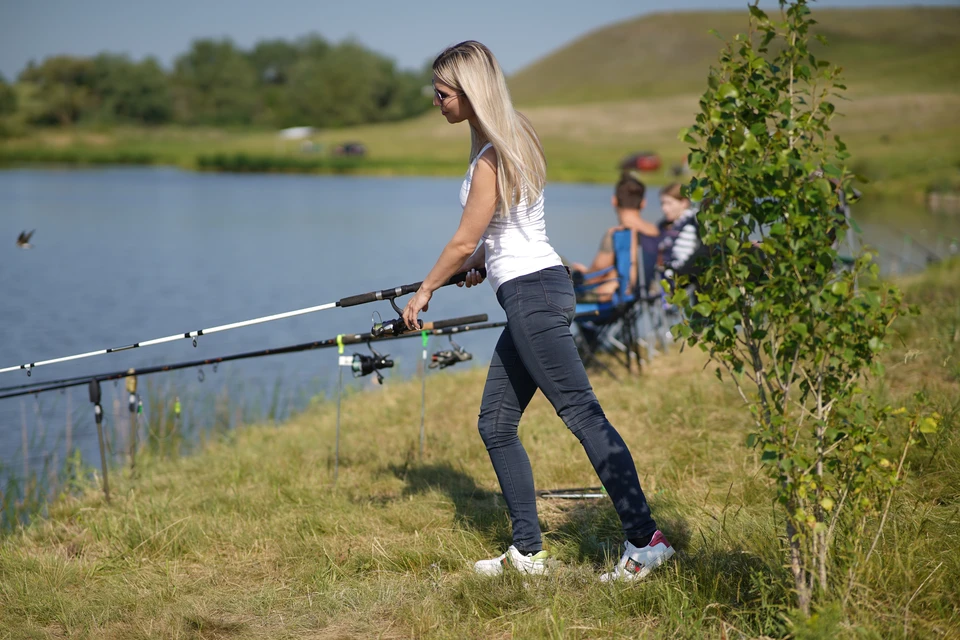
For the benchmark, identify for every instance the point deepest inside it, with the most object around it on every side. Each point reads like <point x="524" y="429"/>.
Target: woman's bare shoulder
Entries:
<point x="489" y="156"/>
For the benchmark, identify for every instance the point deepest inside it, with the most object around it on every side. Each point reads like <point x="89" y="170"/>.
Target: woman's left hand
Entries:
<point x="419" y="302"/>
<point x="472" y="278"/>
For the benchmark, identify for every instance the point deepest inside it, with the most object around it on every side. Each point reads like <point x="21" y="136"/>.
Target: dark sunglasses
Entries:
<point x="442" y="97"/>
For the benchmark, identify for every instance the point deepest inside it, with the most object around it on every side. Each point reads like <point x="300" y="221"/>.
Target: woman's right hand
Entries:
<point x="473" y="278"/>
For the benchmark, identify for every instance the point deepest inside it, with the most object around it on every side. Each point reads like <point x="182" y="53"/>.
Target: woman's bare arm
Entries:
<point x="461" y="251"/>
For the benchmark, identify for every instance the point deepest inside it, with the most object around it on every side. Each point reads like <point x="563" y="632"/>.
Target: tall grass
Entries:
<point x="250" y="538"/>
<point x="48" y="467"/>
<point x="74" y="156"/>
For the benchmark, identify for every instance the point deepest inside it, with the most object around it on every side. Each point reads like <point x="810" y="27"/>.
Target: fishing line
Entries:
<point x="349" y="301"/>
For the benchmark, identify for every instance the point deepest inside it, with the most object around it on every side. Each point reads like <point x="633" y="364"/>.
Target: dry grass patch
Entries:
<point x="250" y="538"/>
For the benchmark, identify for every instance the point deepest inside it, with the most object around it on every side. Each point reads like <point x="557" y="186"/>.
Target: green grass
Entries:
<point x="901" y="143"/>
<point x="250" y="539"/>
<point x="882" y="51"/>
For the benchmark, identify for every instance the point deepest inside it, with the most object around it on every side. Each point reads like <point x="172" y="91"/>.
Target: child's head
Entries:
<point x="630" y="192"/>
<point x="672" y="202"/>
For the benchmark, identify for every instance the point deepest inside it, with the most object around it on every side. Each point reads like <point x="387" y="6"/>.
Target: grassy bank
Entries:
<point x="250" y="539"/>
<point x="902" y="143"/>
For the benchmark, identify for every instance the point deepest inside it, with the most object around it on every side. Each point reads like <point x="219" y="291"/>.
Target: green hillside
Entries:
<point x="899" y="50"/>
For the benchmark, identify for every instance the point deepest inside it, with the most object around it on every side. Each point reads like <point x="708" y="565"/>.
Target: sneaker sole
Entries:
<point x="500" y="571"/>
<point x="660" y="561"/>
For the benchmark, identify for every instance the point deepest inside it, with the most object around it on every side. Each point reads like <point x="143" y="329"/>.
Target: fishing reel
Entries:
<point x="393" y="327"/>
<point x="450" y="357"/>
<point x="364" y="365"/>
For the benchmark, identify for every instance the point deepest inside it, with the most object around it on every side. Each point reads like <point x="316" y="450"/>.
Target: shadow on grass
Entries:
<point x="707" y="569"/>
<point x="476" y="508"/>
<point x="206" y="627"/>
<point x="588" y="530"/>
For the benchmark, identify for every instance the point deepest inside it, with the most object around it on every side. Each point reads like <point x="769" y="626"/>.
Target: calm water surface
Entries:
<point x="127" y="254"/>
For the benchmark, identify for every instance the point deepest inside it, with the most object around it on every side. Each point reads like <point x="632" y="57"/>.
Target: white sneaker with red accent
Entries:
<point x="636" y="563"/>
<point x="534" y="563"/>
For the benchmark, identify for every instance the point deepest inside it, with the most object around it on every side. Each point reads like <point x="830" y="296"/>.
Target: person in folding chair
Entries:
<point x="628" y="200"/>
<point x="681" y="250"/>
<point x="616" y="284"/>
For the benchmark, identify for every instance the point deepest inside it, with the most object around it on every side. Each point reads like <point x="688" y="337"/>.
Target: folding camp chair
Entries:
<point x="653" y="325"/>
<point x="614" y="327"/>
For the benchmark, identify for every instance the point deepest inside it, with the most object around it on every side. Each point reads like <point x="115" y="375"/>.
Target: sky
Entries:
<point x="409" y="31"/>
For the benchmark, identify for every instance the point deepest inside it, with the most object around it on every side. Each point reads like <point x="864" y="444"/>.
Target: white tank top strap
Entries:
<point x="489" y="145"/>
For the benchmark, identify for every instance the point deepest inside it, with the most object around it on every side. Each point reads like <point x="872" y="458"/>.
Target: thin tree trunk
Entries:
<point x="796" y="567"/>
<point x="823" y="561"/>
<point x="820" y="538"/>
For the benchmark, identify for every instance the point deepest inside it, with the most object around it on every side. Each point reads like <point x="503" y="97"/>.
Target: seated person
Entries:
<point x="680" y="244"/>
<point x="628" y="201"/>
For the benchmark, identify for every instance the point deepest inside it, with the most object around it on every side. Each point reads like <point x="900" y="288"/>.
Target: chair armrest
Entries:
<point x="594" y="274"/>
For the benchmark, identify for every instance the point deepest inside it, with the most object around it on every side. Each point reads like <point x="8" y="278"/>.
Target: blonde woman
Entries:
<point x="503" y="205"/>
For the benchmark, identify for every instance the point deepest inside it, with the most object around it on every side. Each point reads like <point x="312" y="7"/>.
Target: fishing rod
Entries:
<point x="349" y="301"/>
<point x="579" y="493"/>
<point x="437" y="328"/>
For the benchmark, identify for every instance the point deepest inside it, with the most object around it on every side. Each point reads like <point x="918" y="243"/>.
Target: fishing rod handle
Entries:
<point x="387" y="294"/>
<point x="453" y="322"/>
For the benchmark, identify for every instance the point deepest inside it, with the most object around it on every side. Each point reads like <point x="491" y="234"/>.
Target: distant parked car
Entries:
<point x="350" y="149"/>
<point x="641" y="161"/>
<point x="296" y="133"/>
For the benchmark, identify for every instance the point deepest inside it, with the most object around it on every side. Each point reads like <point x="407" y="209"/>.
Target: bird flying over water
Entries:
<point x="23" y="240"/>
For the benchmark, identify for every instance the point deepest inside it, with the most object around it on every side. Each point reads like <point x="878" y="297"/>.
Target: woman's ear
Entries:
<point x="613" y="201"/>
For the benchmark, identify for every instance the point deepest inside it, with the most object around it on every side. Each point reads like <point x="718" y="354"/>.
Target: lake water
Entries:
<point x="127" y="254"/>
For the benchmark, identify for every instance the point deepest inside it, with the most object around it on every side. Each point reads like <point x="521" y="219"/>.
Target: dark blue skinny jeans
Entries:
<point x="537" y="351"/>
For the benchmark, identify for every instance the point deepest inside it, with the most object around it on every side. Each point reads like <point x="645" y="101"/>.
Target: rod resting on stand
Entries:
<point x="94" y="389"/>
<point x="132" y="404"/>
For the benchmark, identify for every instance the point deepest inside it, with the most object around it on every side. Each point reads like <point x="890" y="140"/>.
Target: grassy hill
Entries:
<point x="897" y="50"/>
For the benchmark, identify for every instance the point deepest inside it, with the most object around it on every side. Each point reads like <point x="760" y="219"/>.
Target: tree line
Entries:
<point x="276" y="83"/>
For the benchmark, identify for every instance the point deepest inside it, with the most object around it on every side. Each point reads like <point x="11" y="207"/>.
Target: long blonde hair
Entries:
<point x="471" y="68"/>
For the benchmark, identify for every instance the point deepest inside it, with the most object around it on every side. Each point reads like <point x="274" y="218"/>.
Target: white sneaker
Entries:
<point x="636" y="563"/>
<point x="534" y="563"/>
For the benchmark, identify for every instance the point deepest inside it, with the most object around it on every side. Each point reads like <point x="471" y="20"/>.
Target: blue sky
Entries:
<point x="409" y="31"/>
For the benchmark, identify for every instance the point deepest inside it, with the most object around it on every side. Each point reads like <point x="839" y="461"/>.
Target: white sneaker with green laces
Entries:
<point x="533" y="563"/>
<point x="636" y="563"/>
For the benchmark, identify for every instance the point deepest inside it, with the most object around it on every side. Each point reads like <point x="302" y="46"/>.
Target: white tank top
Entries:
<point x="517" y="243"/>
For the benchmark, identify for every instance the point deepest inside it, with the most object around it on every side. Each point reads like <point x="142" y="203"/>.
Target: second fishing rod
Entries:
<point x="373" y="296"/>
<point x="438" y="328"/>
